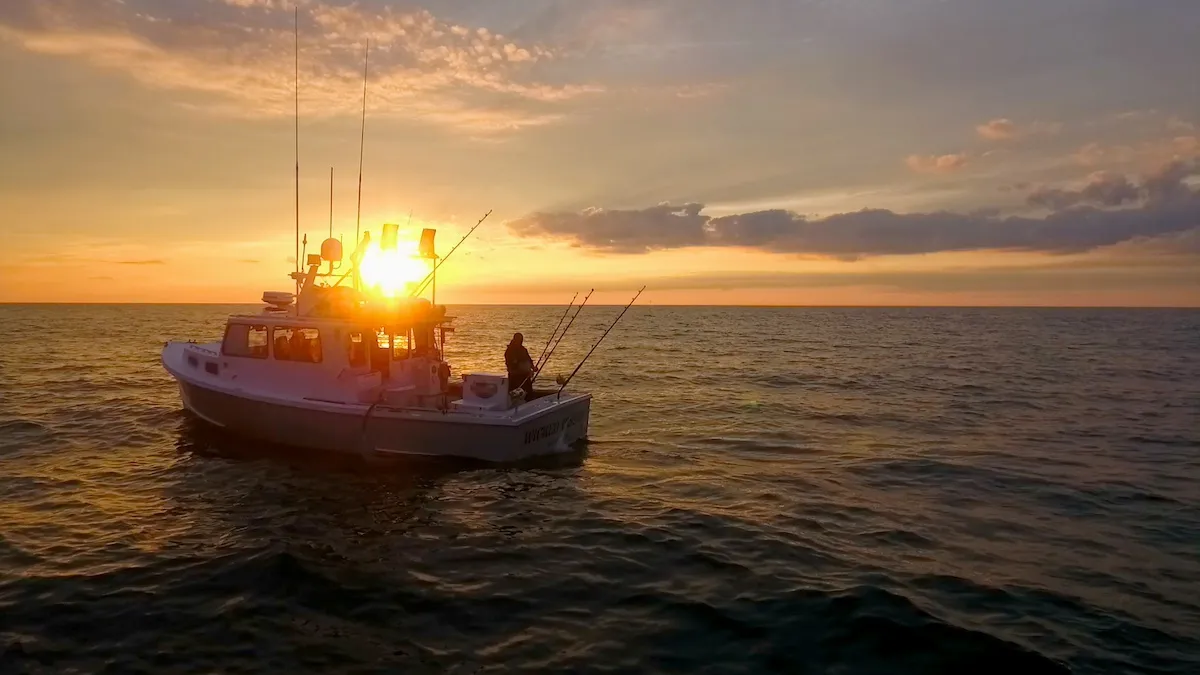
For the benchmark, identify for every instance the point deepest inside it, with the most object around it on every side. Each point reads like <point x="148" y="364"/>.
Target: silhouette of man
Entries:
<point x="519" y="364"/>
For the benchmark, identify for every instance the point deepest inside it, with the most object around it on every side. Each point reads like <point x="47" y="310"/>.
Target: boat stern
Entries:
<point x="555" y="429"/>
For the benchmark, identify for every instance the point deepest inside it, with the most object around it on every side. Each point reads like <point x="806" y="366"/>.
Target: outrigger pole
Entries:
<point x="428" y="277"/>
<point x="361" y="143"/>
<point x="556" y="327"/>
<point x="537" y="369"/>
<point x="297" y="92"/>
<point x="585" y="358"/>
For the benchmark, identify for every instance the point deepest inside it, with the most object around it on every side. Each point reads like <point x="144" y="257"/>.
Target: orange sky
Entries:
<point x="146" y="150"/>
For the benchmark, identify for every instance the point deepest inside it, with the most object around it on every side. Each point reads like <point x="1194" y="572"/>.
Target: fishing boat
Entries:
<point x="353" y="359"/>
<point x="348" y="367"/>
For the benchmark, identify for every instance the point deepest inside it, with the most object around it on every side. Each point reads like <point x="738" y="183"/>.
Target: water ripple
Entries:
<point x="855" y="491"/>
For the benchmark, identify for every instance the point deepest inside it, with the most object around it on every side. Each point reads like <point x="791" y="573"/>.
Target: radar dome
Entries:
<point x="331" y="250"/>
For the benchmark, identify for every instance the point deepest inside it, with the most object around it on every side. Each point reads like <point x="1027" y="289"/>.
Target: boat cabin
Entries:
<point x="346" y="345"/>
<point x="337" y="358"/>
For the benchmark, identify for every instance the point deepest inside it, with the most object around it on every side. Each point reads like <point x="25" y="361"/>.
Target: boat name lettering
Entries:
<point x="547" y="430"/>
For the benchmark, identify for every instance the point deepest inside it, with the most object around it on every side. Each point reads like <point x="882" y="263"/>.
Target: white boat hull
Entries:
<point x="545" y="426"/>
<point x="554" y="427"/>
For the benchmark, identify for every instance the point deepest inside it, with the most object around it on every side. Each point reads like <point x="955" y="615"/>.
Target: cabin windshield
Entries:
<point x="401" y="346"/>
<point x="245" y="340"/>
<point x="396" y="344"/>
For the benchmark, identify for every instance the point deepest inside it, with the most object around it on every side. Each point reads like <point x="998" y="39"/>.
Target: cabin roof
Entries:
<point x="288" y="319"/>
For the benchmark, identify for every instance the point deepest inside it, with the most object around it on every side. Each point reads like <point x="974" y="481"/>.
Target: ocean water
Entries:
<point x="765" y="490"/>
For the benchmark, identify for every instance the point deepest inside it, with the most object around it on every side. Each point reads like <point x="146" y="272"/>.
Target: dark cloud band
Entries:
<point x="1163" y="204"/>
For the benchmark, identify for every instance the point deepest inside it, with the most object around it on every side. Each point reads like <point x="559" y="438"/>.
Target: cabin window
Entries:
<point x="400" y="346"/>
<point x="298" y="344"/>
<point x="243" y="339"/>
<point x="357" y="349"/>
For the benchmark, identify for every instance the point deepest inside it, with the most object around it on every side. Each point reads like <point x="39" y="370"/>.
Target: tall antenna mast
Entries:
<point x="331" y="202"/>
<point x="297" y="66"/>
<point x="361" y="142"/>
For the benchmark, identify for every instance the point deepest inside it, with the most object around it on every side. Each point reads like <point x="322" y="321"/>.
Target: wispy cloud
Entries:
<point x="1144" y="154"/>
<point x="242" y="58"/>
<point x="1135" y="115"/>
<point x="937" y="163"/>
<point x="1176" y="123"/>
<point x="141" y="262"/>
<point x="1004" y="129"/>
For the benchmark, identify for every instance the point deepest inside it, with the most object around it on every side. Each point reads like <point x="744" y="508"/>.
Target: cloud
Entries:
<point x="1004" y="129"/>
<point x="1090" y="154"/>
<point x="1168" y="205"/>
<point x="998" y="129"/>
<point x="1019" y="186"/>
<point x="1150" y="153"/>
<point x="240" y="58"/>
<point x="1175" y="123"/>
<point x="1169" y="182"/>
<point x="1104" y="188"/>
<point x="936" y="163"/>
<point x="1136" y="115"/>
<point x="1146" y="265"/>
<point x="141" y="262"/>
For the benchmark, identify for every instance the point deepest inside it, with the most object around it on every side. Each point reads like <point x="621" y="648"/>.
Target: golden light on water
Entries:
<point x="392" y="271"/>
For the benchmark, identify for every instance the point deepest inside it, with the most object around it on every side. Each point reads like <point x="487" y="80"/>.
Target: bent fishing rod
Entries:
<point x="556" y="327"/>
<point x="429" y="277"/>
<point x="589" y="354"/>
<point x="537" y="370"/>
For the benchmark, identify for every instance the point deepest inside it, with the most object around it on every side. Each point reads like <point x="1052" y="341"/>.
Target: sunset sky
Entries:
<point x="861" y="152"/>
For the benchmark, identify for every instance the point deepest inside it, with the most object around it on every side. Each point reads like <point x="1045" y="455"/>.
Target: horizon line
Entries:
<point x="649" y="304"/>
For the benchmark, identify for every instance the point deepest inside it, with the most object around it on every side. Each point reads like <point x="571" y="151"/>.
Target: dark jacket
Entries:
<point x="517" y="359"/>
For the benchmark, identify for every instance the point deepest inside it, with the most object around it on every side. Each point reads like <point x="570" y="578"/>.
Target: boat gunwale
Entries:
<point x="378" y="409"/>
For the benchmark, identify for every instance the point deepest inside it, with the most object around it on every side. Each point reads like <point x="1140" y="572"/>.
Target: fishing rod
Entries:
<point x="556" y="327"/>
<point x="538" y="370"/>
<point x="585" y="358"/>
<point x="425" y="282"/>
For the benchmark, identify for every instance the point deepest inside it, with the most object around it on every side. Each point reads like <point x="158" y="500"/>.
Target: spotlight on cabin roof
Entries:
<point x="387" y="240"/>
<point x="425" y="248"/>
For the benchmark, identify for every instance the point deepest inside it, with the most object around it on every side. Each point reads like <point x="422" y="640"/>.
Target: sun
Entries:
<point x="393" y="271"/>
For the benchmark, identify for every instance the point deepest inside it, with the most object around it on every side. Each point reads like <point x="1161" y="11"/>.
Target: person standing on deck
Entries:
<point x="519" y="364"/>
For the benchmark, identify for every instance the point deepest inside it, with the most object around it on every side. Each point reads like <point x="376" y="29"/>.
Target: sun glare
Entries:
<point x="393" y="271"/>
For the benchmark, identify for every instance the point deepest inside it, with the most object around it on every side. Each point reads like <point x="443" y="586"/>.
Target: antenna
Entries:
<point x="361" y="143"/>
<point x="331" y="202"/>
<point x="297" y="65"/>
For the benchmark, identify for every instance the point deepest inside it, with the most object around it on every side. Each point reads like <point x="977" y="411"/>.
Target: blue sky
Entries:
<point x="849" y="151"/>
